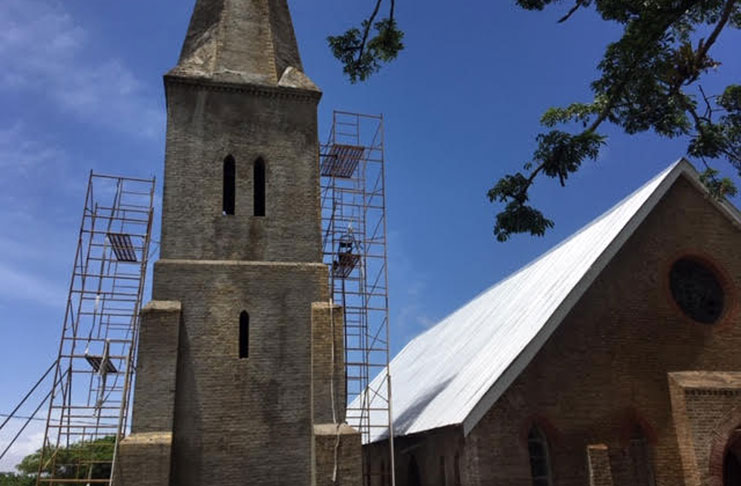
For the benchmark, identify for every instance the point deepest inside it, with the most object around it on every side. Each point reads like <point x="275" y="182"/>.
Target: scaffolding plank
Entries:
<point x="341" y="160"/>
<point x="122" y="246"/>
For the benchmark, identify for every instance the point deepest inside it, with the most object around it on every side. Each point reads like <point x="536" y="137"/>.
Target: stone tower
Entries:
<point x="240" y="352"/>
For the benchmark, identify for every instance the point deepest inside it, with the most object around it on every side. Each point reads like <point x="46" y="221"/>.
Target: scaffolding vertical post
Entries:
<point x="353" y="194"/>
<point x="89" y="401"/>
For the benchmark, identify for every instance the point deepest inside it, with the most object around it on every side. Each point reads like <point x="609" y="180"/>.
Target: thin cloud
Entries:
<point x="20" y="154"/>
<point x="32" y="169"/>
<point x="44" y="50"/>
<point x="20" y="285"/>
<point x="29" y="442"/>
<point x="409" y="316"/>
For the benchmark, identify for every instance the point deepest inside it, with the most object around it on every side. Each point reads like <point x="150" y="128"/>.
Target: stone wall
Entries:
<point x="232" y="415"/>
<point x="208" y="122"/>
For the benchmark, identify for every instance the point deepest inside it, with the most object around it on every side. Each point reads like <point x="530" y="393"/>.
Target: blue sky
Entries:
<point x="81" y="89"/>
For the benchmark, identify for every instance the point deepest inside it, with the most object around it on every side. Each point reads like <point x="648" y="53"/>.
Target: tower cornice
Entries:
<point x="279" y="91"/>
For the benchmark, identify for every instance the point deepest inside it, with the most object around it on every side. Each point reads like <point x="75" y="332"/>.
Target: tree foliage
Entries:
<point x="648" y="80"/>
<point x="11" y="479"/>
<point x="73" y="462"/>
<point x="364" y="50"/>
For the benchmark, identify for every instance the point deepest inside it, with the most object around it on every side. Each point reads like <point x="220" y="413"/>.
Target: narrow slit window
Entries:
<point x="244" y="335"/>
<point x="230" y="182"/>
<point x="259" y="189"/>
<point x="457" y="469"/>
<point x="540" y="462"/>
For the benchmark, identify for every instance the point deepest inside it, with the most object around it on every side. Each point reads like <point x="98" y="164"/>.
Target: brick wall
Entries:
<point x="604" y="371"/>
<point x="233" y="415"/>
<point x="707" y="415"/>
<point x="206" y="123"/>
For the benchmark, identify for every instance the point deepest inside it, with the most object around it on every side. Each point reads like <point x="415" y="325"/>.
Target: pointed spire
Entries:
<point x="242" y="41"/>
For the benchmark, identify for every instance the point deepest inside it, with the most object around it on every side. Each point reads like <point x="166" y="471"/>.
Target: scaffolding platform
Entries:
<point x="341" y="160"/>
<point x="354" y="247"/>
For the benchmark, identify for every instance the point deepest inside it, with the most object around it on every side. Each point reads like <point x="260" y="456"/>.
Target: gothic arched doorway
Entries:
<point x="732" y="461"/>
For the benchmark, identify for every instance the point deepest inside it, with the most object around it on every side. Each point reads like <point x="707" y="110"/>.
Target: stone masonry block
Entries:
<point x="156" y="370"/>
<point x="343" y="443"/>
<point x="599" y="465"/>
<point x="144" y="460"/>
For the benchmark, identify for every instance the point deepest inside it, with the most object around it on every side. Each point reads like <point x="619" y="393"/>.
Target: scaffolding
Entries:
<point x="354" y="247"/>
<point x="89" y="400"/>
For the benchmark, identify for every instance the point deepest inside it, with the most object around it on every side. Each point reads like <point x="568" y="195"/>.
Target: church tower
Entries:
<point x="240" y="378"/>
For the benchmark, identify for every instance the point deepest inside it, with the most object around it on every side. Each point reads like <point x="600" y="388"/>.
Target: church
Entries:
<point x="612" y="360"/>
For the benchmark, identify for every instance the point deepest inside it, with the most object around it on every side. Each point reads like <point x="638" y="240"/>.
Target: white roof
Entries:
<point x="454" y="372"/>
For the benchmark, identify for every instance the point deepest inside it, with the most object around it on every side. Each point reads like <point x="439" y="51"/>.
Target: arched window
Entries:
<point x="259" y="189"/>
<point x="230" y="181"/>
<point x="244" y="335"/>
<point x="540" y="461"/>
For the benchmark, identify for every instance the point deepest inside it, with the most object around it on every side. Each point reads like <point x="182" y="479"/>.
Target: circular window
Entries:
<point x="697" y="290"/>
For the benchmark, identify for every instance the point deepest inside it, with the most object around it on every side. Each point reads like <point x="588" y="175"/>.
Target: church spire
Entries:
<point x="242" y="41"/>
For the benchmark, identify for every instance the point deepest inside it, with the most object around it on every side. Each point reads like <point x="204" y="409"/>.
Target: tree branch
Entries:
<point x="708" y="107"/>
<point x="571" y="12"/>
<point x="725" y="16"/>
<point x="368" y="27"/>
<point x="617" y="90"/>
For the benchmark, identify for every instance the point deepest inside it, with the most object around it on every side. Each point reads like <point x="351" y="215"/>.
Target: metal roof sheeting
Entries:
<point x="453" y="373"/>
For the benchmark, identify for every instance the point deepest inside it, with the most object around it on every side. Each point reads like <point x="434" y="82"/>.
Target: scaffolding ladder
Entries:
<point x="354" y="247"/>
<point x="89" y="402"/>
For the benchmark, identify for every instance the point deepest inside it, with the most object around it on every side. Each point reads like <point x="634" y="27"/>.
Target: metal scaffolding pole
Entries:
<point x="89" y="403"/>
<point x="353" y="192"/>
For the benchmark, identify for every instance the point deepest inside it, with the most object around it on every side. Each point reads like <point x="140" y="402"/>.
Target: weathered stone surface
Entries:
<point x="156" y="367"/>
<point x="205" y="125"/>
<point x="239" y="41"/>
<point x="144" y="460"/>
<point x="338" y="459"/>
<point x="243" y="416"/>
